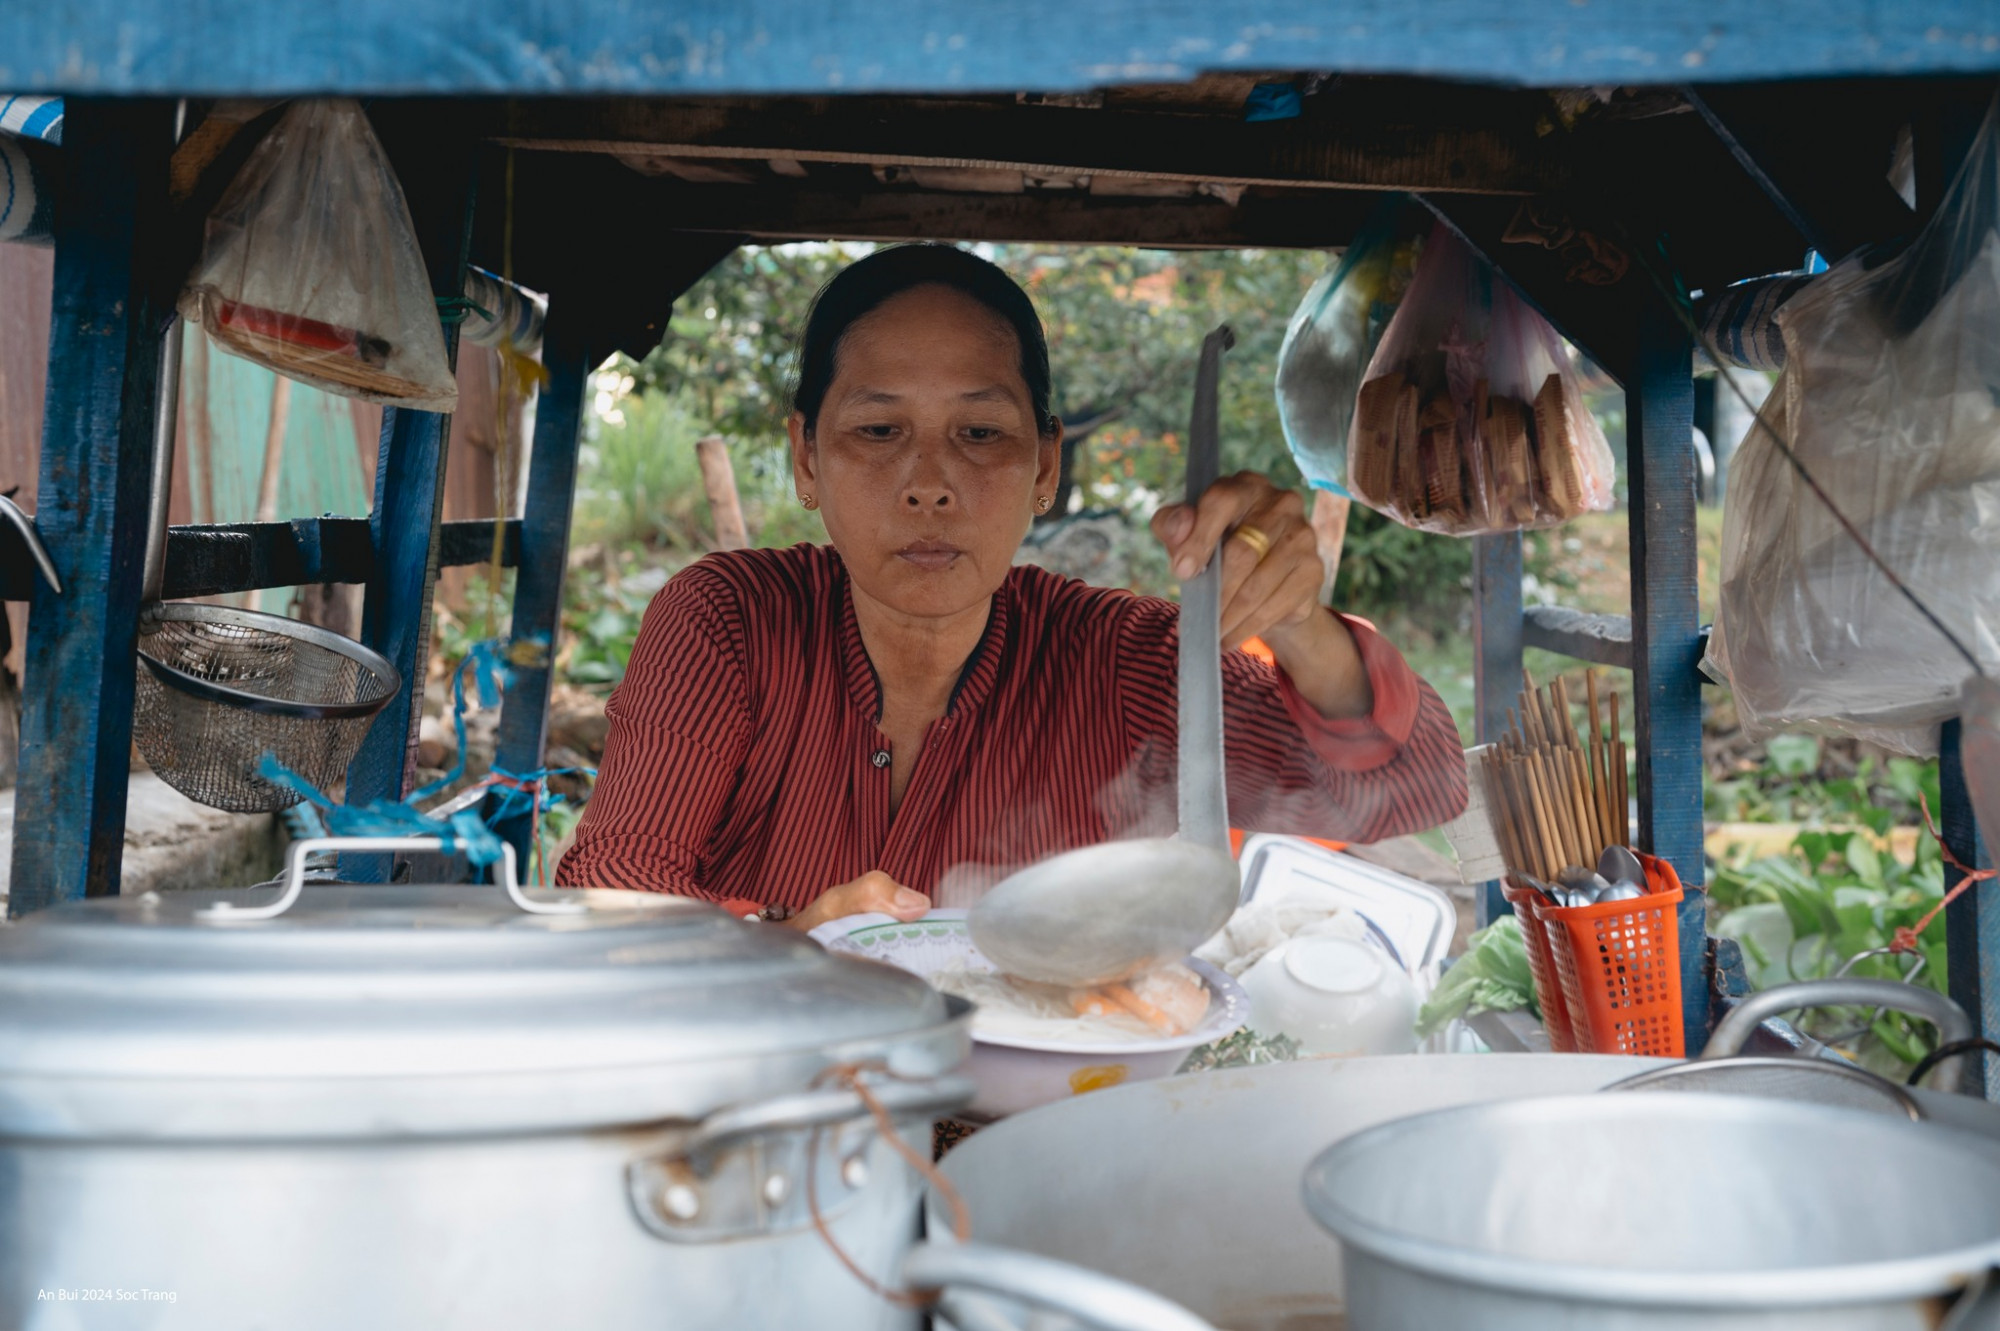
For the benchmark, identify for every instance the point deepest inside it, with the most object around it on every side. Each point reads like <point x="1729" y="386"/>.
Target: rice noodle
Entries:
<point x="1013" y="1009"/>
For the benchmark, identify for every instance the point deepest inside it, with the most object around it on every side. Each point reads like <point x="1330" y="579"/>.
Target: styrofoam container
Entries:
<point x="1017" y="1074"/>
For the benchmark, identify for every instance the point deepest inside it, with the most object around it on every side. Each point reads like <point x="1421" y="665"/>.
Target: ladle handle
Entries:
<point x="1204" y="802"/>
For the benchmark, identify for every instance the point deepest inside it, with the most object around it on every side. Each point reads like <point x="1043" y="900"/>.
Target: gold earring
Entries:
<point x="808" y="503"/>
<point x="1042" y="504"/>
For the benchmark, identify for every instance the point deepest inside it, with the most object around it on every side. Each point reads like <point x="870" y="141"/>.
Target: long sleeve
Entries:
<point x="1400" y="769"/>
<point x="679" y="729"/>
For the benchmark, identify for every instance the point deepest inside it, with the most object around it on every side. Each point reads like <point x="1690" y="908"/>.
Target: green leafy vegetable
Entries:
<point x="1492" y="976"/>
<point x="1243" y="1049"/>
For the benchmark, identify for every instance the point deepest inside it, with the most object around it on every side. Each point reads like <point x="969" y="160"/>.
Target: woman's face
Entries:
<point x="925" y="459"/>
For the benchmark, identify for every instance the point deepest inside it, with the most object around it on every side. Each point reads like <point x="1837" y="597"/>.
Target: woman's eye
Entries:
<point x="878" y="432"/>
<point x="981" y="434"/>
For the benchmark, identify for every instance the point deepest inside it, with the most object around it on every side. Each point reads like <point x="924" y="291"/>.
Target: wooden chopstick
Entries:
<point x="1557" y="792"/>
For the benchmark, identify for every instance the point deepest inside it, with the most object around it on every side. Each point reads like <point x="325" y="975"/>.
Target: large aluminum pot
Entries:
<point x="452" y="1107"/>
<point x="1190" y="1186"/>
<point x="1652" y="1212"/>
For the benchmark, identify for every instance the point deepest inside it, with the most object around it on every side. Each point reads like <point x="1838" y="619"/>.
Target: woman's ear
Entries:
<point x="802" y="455"/>
<point x="1048" y="461"/>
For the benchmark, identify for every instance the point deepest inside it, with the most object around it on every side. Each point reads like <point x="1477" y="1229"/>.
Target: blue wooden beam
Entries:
<point x="1496" y="655"/>
<point x="108" y="315"/>
<point x="545" y="526"/>
<point x="437" y="46"/>
<point x="1666" y="630"/>
<point x="409" y="498"/>
<point x="1604" y="640"/>
<point x="1972" y="923"/>
<point x="218" y="559"/>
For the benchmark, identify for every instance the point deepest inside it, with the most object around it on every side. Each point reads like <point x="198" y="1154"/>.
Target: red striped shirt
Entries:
<point x="744" y="765"/>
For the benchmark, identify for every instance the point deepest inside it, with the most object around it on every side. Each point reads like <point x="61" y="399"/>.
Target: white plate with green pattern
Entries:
<point x="1015" y="1074"/>
<point x="939" y="941"/>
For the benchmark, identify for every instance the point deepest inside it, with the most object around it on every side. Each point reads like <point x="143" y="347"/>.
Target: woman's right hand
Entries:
<point x="872" y="891"/>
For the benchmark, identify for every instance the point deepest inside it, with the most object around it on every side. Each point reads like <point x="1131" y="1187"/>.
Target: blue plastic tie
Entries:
<point x="391" y="818"/>
<point x="491" y="676"/>
<point x="465" y="830"/>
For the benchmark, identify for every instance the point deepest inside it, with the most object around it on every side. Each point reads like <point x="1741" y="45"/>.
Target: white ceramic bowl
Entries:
<point x="1335" y="996"/>
<point x="1017" y="1074"/>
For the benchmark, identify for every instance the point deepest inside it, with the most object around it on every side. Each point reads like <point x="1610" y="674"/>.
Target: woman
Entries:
<point x="820" y="731"/>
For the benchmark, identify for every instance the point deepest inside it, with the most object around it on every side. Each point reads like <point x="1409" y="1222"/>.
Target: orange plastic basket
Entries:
<point x="1620" y="965"/>
<point x="1528" y="904"/>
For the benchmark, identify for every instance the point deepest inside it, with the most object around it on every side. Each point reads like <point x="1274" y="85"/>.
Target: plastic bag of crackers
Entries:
<point x="310" y="266"/>
<point x="1470" y="418"/>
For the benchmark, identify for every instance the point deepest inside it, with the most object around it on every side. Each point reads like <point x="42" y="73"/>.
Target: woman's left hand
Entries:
<point x="1271" y="570"/>
<point x="1271" y="576"/>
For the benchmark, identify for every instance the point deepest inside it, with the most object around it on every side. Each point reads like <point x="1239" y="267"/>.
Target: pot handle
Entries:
<point x="726" y="1129"/>
<point x="964" y="1271"/>
<point x="1734" y="1030"/>
<point x="295" y="876"/>
<point x="1978" y="1308"/>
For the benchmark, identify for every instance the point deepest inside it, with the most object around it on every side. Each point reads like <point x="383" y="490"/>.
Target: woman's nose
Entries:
<point x="928" y="487"/>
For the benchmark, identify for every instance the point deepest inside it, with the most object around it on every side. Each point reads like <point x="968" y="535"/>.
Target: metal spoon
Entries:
<point x="1106" y="912"/>
<point x="1619" y="865"/>
<point x="1556" y="896"/>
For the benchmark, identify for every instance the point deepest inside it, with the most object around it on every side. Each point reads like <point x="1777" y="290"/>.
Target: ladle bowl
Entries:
<point x="1144" y="903"/>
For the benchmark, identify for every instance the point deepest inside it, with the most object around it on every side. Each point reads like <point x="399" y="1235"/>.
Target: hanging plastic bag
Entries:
<point x="1888" y="400"/>
<point x="1471" y="417"/>
<point x="1330" y="339"/>
<point x="310" y="266"/>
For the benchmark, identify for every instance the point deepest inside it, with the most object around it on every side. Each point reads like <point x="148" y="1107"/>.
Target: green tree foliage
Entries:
<point x="1125" y="328"/>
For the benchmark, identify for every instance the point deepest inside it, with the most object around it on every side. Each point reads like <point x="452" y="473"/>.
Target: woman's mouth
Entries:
<point x="933" y="555"/>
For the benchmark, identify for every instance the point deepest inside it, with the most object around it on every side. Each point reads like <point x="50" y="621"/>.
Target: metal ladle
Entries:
<point x="1106" y="912"/>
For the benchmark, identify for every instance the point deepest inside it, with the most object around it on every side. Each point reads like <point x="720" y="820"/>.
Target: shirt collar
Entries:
<point x="976" y="680"/>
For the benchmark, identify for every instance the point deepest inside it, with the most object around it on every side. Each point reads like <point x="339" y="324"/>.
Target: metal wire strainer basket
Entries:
<point x="223" y="687"/>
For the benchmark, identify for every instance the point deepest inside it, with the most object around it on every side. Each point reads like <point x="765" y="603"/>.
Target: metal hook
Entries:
<point x="33" y="539"/>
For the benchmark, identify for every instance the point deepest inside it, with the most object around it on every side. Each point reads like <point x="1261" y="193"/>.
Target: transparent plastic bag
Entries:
<point x="1889" y="399"/>
<point x="1471" y="416"/>
<point x="310" y="266"/>
<point x="1330" y="339"/>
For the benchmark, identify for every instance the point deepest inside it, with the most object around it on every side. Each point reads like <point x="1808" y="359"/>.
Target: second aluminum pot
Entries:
<point x="1660" y="1212"/>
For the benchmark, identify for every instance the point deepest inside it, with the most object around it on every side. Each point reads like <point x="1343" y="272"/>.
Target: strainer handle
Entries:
<point x="301" y="851"/>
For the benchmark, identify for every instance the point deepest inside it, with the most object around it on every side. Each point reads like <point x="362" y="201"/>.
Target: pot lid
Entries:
<point x="423" y="1009"/>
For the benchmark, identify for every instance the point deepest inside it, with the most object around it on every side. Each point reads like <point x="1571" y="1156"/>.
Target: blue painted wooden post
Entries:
<point x="1666" y="628"/>
<point x="1496" y="654"/>
<point x="97" y="438"/>
<point x="1972" y="923"/>
<point x="545" y="527"/>
<point x="404" y="524"/>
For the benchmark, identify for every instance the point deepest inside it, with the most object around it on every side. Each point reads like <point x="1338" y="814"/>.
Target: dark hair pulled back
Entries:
<point x="870" y="282"/>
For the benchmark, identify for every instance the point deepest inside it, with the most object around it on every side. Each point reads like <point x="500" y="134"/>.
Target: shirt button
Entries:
<point x="881" y="758"/>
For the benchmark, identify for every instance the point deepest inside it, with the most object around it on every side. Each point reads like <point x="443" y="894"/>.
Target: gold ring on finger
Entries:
<point x="1254" y="537"/>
